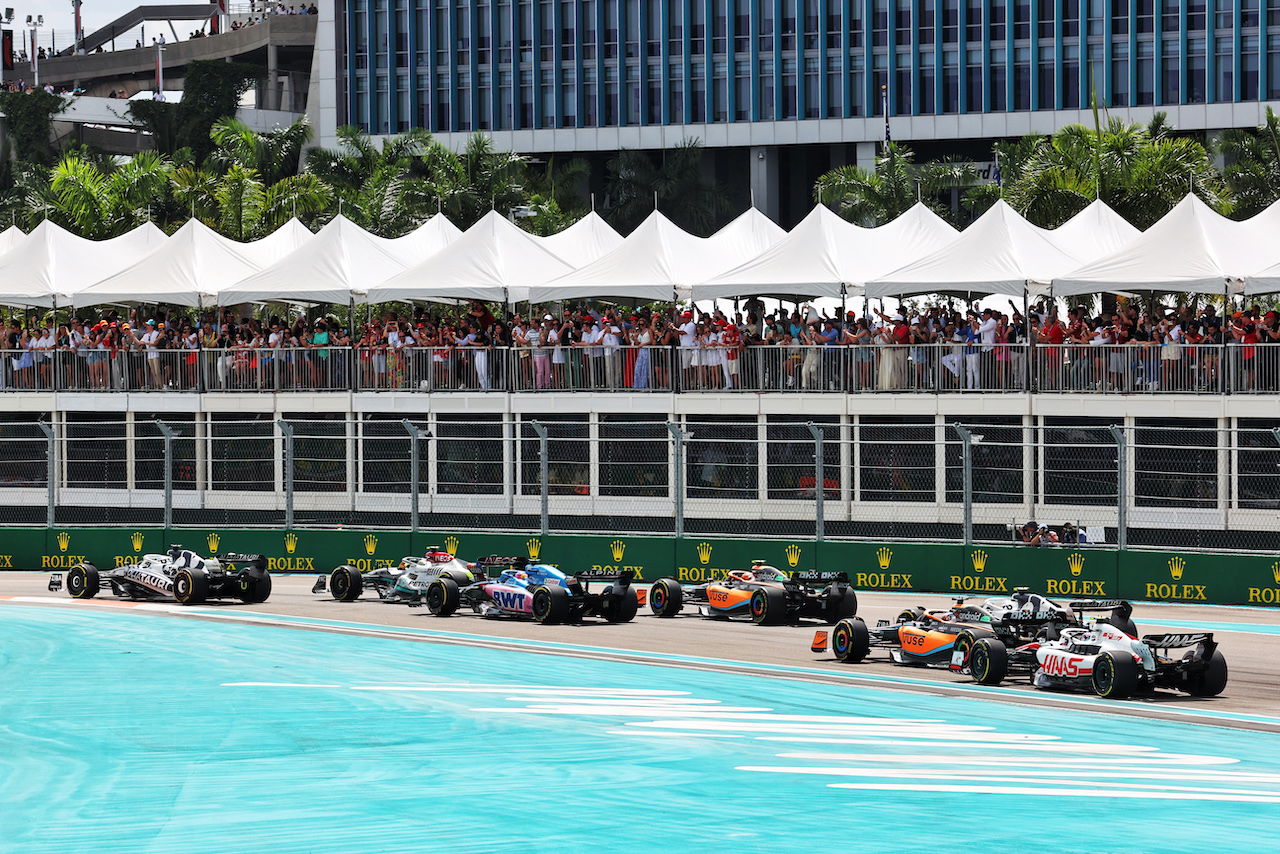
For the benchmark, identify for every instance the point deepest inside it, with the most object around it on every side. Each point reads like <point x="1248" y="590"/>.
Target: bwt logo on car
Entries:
<point x="510" y="600"/>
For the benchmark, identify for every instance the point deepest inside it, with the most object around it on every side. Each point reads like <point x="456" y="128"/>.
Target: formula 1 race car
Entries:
<point x="538" y="590"/>
<point x="406" y="582"/>
<point x="944" y="637"/>
<point x="179" y="574"/>
<point x="1108" y="660"/>
<point x="765" y="594"/>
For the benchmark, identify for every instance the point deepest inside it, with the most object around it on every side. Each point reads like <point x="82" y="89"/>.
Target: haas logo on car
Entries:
<point x="509" y="600"/>
<point x="1058" y="664"/>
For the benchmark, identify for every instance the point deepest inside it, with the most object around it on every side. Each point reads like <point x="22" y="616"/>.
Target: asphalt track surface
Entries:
<point x="305" y="724"/>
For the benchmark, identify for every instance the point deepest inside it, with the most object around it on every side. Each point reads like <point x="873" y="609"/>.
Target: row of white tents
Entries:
<point x="1192" y="249"/>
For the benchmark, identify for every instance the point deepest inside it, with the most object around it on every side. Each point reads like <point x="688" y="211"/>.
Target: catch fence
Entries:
<point x="1139" y="483"/>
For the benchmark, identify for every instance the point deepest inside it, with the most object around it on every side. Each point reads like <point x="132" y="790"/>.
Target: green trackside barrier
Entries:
<point x="1201" y="578"/>
<point x="1227" y="579"/>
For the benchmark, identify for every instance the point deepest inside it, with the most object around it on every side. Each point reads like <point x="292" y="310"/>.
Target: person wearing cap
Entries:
<point x="731" y="344"/>
<point x="151" y="342"/>
<point x="1030" y="534"/>
<point x="893" y="335"/>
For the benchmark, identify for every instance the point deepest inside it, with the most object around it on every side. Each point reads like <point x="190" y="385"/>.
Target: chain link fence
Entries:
<point x="1147" y="482"/>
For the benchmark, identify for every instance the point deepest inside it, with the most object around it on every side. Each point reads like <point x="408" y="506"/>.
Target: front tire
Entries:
<point x="769" y="606"/>
<point x="988" y="661"/>
<point x="346" y="583"/>
<point x="1115" y="676"/>
<point x="1213" y="680"/>
<point x="850" y="640"/>
<point x="190" y="586"/>
<point x="443" y="597"/>
<point x="83" y="582"/>
<point x="665" y="597"/>
<point x="550" y="604"/>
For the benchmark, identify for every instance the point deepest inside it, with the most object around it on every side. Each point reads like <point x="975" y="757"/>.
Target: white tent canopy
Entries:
<point x="1000" y="253"/>
<point x="187" y="269"/>
<point x="650" y="264"/>
<point x="583" y="242"/>
<point x="1093" y="233"/>
<point x="1192" y="249"/>
<point x="825" y="256"/>
<point x="746" y="237"/>
<point x="339" y="264"/>
<point x="427" y="239"/>
<point x="11" y="238"/>
<point x="493" y="260"/>
<point x="51" y="264"/>
<point x="279" y="243"/>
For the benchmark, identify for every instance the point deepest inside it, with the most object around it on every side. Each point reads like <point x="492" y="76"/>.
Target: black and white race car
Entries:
<point x="179" y="574"/>
<point x="405" y="583"/>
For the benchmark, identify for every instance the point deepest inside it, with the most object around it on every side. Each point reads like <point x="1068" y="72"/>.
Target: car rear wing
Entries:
<point x="626" y="576"/>
<point x="814" y="576"/>
<point x="1097" y="604"/>
<point x="259" y="561"/>
<point x="1178" y="641"/>
<point x="493" y="565"/>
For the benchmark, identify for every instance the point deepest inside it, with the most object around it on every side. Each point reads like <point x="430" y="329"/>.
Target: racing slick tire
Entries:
<point x="1115" y="676"/>
<point x="964" y="644"/>
<point x="442" y="597"/>
<point x="842" y="603"/>
<point x="619" y="608"/>
<point x="257" y="587"/>
<point x="988" y="661"/>
<point x="850" y="640"/>
<point x="665" y="597"/>
<point x="190" y="586"/>
<point x="83" y="582"/>
<point x="909" y="615"/>
<point x="551" y="604"/>
<point x="346" y="583"/>
<point x="1211" y="681"/>
<point x="769" y="606"/>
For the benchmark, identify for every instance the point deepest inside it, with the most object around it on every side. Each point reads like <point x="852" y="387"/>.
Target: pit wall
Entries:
<point x="903" y="567"/>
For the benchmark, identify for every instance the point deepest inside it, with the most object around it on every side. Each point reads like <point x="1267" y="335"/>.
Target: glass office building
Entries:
<point x="549" y="75"/>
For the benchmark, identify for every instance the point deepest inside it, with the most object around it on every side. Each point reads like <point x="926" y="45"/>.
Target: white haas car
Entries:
<point x="405" y="583"/>
<point x="1109" y="660"/>
<point x="179" y="574"/>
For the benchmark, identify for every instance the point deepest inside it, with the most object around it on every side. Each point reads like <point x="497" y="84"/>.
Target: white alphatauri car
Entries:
<point x="1108" y="660"/>
<point x="179" y="574"/>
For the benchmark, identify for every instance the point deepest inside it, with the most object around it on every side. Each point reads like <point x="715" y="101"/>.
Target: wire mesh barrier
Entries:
<point x="941" y="368"/>
<point x="1146" y="482"/>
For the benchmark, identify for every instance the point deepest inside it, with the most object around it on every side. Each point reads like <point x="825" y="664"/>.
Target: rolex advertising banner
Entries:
<point x="979" y="571"/>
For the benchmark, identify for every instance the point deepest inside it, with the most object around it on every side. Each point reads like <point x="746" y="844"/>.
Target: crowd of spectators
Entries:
<point x="932" y="348"/>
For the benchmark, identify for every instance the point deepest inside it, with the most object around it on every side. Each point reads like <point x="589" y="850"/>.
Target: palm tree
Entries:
<point x="98" y="203"/>
<point x="874" y="198"/>
<point x="1253" y="165"/>
<point x="676" y="184"/>
<point x="240" y="205"/>
<point x="273" y="155"/>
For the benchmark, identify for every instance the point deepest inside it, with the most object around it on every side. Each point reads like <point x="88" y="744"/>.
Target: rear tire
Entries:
<point x="988" y="661"/>
<point x="620" y="607"/>
<point x="909" y="615"/>
<point x="850" y="640"/>
<point x="665" y="597"/>
<point x="1115" y="676"/>
<point x="443" y="597"/>
<point x="769" y="606"/>
<point x="1213" y="680"/>
<point x="842" y="604"/>
<point x="258" y="587"/>
<point x="964" y="643"/>
<point x="346" y="583"/>
<point x="190" y="586"/>
<point x="83" y="581"/>
<point x="551" y="605"/>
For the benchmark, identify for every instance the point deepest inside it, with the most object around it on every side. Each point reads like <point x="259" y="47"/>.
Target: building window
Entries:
<point x="675" y="96"/>
<point x="951" y="81"/>
<point x="1225" y="61"/>
<point x="928" y="18"/>
<point x="675" y="28"/>
<point x="720" y="92"/>
<point x="1047" y="90"/>
<point x="698" y="94"/>
<point x="973" y="22"/>
<point x="788" y="89"/>
<point x="999" y="81"/>
<point x="1022" y="78"/>
<point x="812" y="93"/>
<point x="1146" y="16"/>
<point x="742" y="28"/>
<point x="1070" y="76"/>
<point x="1249" y="68"/>
<point x="764" y="12"/>
<point x="880" y="23"/>
<point x="1022" y="19"/>
<point x="569" y="97"/>
<point x="1120" y="17"/>
<point x="767" y="99"/>
<point x="719" y="27"/>
<point x="590" y="97"/>
<point x="973" y="81"/>
<point x="1120" y="74"/>
<point x="788" y="24"/>
<point x="697" y="28"/>
<point x="998" y="15"/>
<point x="1046" y="19"/>
<point x="1071" y="18"/>
<point x="742" y="94"/>
<point x="1146" y="73"/>
<point x="950" y="21"/>
<point x="1195" y="15"/>
<point x="1171" y="88"/>
<point x="1196" y="71"/>
<point x="928" y="84"/>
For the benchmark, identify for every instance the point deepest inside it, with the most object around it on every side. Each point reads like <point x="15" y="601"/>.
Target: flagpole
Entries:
<point x="884" y="108"/>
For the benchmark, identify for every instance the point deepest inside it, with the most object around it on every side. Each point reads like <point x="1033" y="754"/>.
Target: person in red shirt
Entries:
<point x="1051" y="336"/>
<point x="731" y="341"/>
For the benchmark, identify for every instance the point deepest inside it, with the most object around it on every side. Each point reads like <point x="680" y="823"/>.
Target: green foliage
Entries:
<point x="273" y="155"/>
<point x="1253" y="166"/>
<point x="874" y="198"/>
<point x="211" y="91"/>
<point x="98" y="204"/>
<point x="29" y="118"/>
<point x="677" y="184"/>
<point x="160" y="119"/>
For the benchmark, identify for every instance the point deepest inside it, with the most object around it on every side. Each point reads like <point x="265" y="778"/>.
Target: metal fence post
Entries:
<point x="1122" y="488"/>
<point x="678" y="483"/>
<point x="544" y="475"/>
<point x="168" y="476"/>
<point x="287" y="431"/>
<point x="415" y="470"/>
<point x="966" y="438"/>
<point x="820" y="483"/>
<point x="51" y="455"/>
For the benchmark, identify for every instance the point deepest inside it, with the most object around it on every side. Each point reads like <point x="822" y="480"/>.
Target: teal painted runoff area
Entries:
<point x="126" y="731"/>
